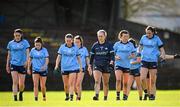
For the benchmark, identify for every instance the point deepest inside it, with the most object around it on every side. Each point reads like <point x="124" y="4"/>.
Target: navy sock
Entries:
<point x="145" y="91"/>
<point x="67" y="95"/>
<point x="118" y="94"/>
<point x="15" y="97"/>
<point x="97" y="95"/>
<point x="36" y="98"/>
<point x="105" y="97"/>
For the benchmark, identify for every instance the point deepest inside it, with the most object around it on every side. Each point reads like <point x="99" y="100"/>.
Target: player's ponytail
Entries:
<point x="133" y="42"/>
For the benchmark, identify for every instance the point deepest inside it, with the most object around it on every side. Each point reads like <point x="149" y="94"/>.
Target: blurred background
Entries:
<point x="52" y="19"/>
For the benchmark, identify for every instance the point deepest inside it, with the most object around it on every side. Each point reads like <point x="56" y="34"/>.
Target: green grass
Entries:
<point x="56" y="99"/>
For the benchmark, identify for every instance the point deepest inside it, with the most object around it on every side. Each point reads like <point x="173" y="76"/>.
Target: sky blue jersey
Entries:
<point x="138" y="65"/>
<point x="150" y="51"/>
<point x="18" y="52"/>
<point x="124" y="51"/>
<point x="69" y="55"/>
<point x="39" y="59"/>
<point x="84" y="54"/>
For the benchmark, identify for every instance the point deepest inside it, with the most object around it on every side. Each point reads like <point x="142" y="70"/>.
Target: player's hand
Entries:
<point x="90" y="70"/>
<point x="29" y="72"/>
<point x="8" y="69"/>
<point x="56" y="67"/>
<point x="132" y="56"/>
<point x="117" y="57"/>
<point x="111" y="67"/>
<point x="111" y="62"/>
<point x="56" y="70"/>
<point x="163" y="56"/>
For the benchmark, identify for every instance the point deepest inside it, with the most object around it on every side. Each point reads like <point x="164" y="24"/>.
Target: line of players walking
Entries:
<point x="125" y="58"/>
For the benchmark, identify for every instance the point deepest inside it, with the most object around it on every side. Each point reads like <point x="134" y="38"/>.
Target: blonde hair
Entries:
<point x="105" y="33"/>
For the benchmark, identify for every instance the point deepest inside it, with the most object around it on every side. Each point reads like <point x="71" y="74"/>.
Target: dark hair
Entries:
<point x="18" y="31"/>
<point x="123" y="32"/>
<point x="79" y="38"/>
<point x="133" y="42"/>
<point x="38" y="40"/>
<point x="69" y="36"/>
<point x="152" y="29"/>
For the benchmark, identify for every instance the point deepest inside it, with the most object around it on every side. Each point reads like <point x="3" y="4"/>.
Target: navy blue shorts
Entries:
<point x="149" y="65"/>
<point x="19" y="69"/>
<point x="135" y="72"/>
<point x="41" y="73"/>
<point x="104" y="68"/>
<point x="69" y="72"/>
<point x="125" y="70"/>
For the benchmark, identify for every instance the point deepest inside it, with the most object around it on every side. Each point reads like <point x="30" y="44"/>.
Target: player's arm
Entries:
<point x="116" y="57"/>
<point x="87" y="60"/>
<point x="80" y="63"/>
<point x="27" y="56"/>
<point x="29" y="65"/>
<point x="89" y="66"/>
<point x="169" y="57"/>
<point x="162" y="53"/>
<point x="140" y="47"/>
<point x="111" y="55"/>
<point x="137" y="61"/>
<point x="92" y="55"/>
<point x="47" y="61"/>
<point x="8" y="62"/>
<point x="44" y="67"/>
<point x="58" y="59"/>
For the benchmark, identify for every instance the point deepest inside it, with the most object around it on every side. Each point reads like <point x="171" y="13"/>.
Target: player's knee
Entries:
<point x="152" y="81"/>
<point x="118" y="81"/>
<point x="78" y="85"/>
<point x="15" y="82"/>
<point x="106" y="84"/>
<point x="35" y="85"/>
<point x="66" y="87"/>
<point x="21" y="85"/>
<point x="139" y="87"/>
<point x="96" y="82"/>
<point x="43" y="87"/>
<point x="125" y="85"/>
<point x="71" y="84"/>
<point x="143" y="78"/>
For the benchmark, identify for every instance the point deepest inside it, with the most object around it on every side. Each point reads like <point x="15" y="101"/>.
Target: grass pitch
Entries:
<point x="56" y="99"/>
